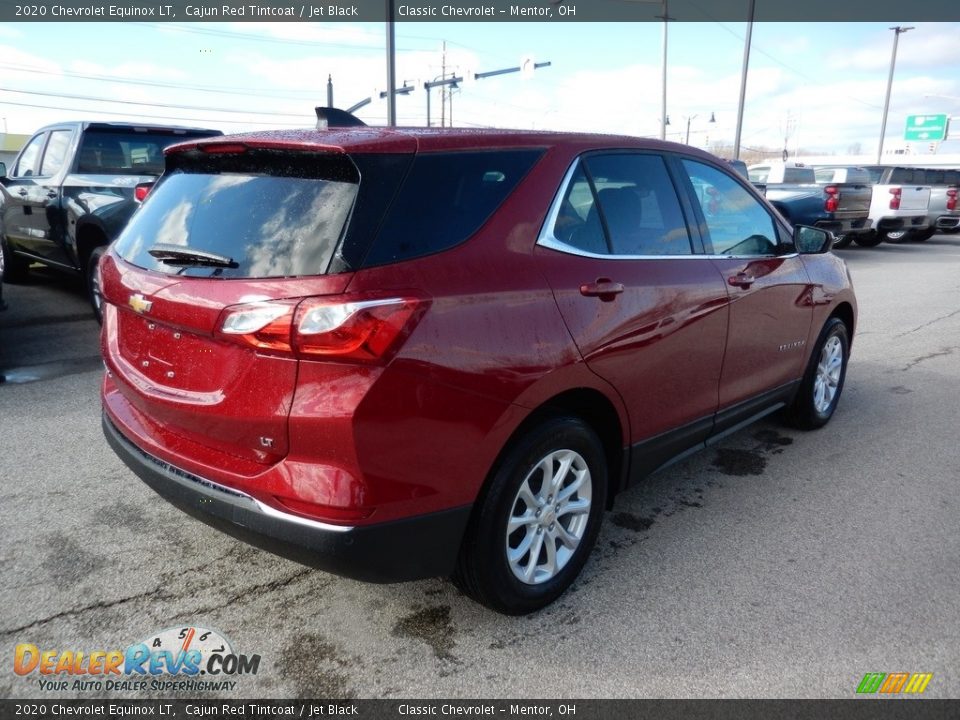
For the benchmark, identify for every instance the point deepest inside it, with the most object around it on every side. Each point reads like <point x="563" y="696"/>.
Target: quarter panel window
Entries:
<point x="29" y="163"/>
<point x="639" y="205"/>
<point x="578" y="221"/>
<point x="737" y="223"/>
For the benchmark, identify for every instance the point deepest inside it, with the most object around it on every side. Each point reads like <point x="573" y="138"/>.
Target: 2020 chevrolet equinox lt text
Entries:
<point x="396" y="354"/>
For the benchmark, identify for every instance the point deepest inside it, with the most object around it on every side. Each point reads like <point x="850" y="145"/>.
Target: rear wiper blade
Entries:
<point x="183" y="255"/>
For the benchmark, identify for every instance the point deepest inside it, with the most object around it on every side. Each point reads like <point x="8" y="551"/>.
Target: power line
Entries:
<point x="226" y="90"/>
<point x="156" y="117"/>
<point x="148" y="104"/>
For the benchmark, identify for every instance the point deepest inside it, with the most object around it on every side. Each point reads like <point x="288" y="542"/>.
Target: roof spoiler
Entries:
<point x="330" y="117"/>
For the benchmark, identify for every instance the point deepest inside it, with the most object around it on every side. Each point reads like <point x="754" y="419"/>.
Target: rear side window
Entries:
<point x="268" y="226"/>
<point x="109" y="152"/>
<point x="798" y="175"/>
<point x="445" y="198"/>
<point x="638" y="205"/>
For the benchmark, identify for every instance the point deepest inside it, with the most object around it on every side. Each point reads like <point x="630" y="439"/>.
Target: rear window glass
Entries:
<point x="268" y="226"/>
<point x="445" y="198"/>
<point x="125" y="153"/>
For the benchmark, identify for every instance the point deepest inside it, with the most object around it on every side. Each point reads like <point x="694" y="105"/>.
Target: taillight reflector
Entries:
<point x="140" y="191"/>
<point x="833" y="198"/>
<point x="895" y="198"/>
<point x="951" y="199"/>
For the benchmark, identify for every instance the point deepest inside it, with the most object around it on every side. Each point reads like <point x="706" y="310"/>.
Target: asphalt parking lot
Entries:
<point x="779" y="564"/>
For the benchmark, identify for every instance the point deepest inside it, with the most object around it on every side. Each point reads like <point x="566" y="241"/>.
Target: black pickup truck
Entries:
<point x="72" y="189"/>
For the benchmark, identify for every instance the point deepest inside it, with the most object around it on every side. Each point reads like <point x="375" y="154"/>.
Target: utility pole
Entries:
<point x="743" y="81"/>
<point x="391" y="67"/>
<point x="663" y="79"/>
<point x="897" y="32"/>
<point x="443" y="88"/>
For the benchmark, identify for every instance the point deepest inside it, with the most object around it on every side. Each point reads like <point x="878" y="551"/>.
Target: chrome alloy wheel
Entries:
<point x="549" y="517"/>
<point x="828" y="374"/>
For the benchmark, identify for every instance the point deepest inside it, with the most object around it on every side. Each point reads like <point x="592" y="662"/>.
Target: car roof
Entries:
<point x="101" y="125"/>
<point x="406" y="140"/>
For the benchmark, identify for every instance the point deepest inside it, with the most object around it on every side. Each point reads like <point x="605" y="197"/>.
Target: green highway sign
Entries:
<point x="926" y="128"/>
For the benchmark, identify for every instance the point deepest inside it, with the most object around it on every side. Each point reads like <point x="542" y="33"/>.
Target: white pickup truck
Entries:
<point x="898" y="206"/>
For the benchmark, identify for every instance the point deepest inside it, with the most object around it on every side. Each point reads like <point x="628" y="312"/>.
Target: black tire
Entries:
<point x="842" y="240"/>
<point x="870" y="239"/>
<point x="15" y="269"/>
<point x="93" y="282"/>
<point x="483" y="570"/>
<point x="810" y="410"/>
<point x="923" y="235"/>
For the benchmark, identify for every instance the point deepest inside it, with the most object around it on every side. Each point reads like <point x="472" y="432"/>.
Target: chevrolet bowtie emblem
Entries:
<point x="139" y="303"/>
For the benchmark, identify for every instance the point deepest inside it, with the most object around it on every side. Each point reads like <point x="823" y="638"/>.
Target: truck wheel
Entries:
<point x="870" y="239"/>
<point x="93" y="282"/>
<point x="896" y="236"/>
<point x="842" y="240"/>
<point x="15" y="269"/>
<point x="822" y="383"/>
<point x="534" y="526"/>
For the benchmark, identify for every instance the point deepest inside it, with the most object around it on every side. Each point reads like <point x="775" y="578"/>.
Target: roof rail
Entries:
<point x="329" y="117"/>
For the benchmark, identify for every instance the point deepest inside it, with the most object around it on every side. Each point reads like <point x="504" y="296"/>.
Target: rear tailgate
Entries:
<point x="854" y="200"/>
<point x="914" y="199"/>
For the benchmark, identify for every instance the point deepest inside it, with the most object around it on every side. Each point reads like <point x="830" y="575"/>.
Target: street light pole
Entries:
<point x="897" y="32"/>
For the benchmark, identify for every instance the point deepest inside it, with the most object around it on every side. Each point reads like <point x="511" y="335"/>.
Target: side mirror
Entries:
<point x="3" y="169"/>
<point x="810" y="240"/>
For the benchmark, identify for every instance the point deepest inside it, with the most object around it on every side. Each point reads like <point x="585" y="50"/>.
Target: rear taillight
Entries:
<point x="895" y="198"/>
<point x="366" y="330"/>
<point x="141" y="191"/>
<point x="363" y="330"/>
<point x="833" y="198"/>
<point x="951" y="199"/>
<point x="264" y="326"/>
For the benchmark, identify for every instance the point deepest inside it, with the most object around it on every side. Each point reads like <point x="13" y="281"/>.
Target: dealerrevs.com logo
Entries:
<point x="177" y="659"/>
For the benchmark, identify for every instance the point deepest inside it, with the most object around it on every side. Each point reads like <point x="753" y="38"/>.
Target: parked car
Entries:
<point x="943" y="215"/>
<point x="899" y="206"/>
<point x="842" y="206"/>
<point x="398" y="354"/>
<point x="72" y="189"/>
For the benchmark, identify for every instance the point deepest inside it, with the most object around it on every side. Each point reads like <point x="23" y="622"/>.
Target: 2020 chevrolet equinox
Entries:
<point x="396" y="354"/>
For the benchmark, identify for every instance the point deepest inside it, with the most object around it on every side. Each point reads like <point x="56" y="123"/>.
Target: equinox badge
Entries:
<point x="139" y="303"/>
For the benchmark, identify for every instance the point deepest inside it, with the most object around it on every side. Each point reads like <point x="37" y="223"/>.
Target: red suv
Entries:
<point x="396" y="354"/>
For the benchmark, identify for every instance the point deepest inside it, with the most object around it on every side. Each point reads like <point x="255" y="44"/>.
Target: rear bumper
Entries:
<point x="846" y="226"/>
<point x="410" y="549"/>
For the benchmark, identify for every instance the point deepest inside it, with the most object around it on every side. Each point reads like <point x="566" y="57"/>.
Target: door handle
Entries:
<point x="52" y="194"/>
<point x="22" y="192"/>
<point x="603" y="288"/>
<point x="741" y="279"/>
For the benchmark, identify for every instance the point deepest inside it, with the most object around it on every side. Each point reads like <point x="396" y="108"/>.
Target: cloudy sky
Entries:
<point x="817" y="86"/>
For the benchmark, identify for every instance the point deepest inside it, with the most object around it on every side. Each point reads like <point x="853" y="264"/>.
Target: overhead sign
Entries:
<point x="926" y="128"/>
